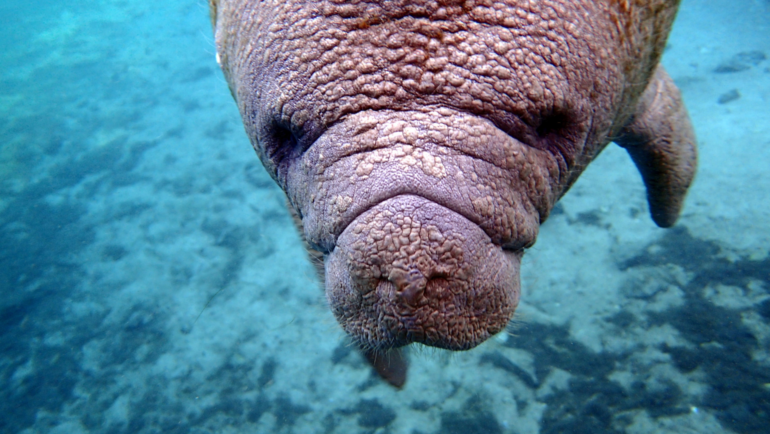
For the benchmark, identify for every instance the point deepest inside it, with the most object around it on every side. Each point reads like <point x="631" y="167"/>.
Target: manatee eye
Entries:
<point x="284" y="139"/>
<point x="552" y="124"/>
<point x="281" y="146"/>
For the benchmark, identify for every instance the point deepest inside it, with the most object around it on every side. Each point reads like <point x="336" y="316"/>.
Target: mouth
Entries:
<point x="410" y="270"/>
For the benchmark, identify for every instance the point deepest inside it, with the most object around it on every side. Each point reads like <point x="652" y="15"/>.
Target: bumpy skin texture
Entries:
<point x="422" y="142"/>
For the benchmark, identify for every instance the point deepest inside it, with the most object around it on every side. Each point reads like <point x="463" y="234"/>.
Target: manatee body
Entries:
<point x="421" y="143"/>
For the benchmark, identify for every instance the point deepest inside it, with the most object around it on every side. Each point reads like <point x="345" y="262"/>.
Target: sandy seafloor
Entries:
<point x="130" y="196"/>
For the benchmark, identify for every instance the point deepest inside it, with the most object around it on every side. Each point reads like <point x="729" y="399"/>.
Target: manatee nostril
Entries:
<point x="412" y="293"/>
<point x="412" y="287"/>
<point x="438" y="274"/>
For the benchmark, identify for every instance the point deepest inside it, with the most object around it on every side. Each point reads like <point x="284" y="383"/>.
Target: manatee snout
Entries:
<point x="410" y="270"/>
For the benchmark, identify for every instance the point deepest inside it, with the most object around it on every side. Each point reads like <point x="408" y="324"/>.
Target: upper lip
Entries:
<point x="326" y="154"/>
<point x="448" y="201"/>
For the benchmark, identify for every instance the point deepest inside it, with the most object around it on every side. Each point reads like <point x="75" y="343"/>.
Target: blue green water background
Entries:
<point x="151" y="280"/>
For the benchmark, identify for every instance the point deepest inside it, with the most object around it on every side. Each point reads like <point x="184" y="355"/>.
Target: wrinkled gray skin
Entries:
<point x="423" y="142"/>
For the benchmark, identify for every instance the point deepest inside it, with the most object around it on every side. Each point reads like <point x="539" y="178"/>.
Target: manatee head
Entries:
<point x="423" y="142"/>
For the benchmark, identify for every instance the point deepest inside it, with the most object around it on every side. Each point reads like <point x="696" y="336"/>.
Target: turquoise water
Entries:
<point x="151" y="279"/>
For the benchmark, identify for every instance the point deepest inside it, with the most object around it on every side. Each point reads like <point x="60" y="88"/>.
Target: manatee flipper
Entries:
<point x="390" y="365"/>
<point x="661" y="141"/>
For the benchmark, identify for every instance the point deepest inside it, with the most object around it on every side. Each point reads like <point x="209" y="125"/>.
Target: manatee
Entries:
<point x="422" y="143"/>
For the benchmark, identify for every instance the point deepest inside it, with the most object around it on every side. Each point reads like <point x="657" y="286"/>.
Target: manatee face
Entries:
<point x="423" y="142"/>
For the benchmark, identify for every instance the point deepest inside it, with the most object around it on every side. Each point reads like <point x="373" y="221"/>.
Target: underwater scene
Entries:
<point x="153" y="281"/>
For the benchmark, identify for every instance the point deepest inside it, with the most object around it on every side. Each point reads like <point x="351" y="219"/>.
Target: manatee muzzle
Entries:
<point x="410" y="270"/>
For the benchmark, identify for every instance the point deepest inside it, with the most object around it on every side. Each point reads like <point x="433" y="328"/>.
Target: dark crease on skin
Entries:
<point x="433" y="198"/>
<point x="476" y="218"/>
<point x="459" y="152"/>
<point x="512" y="125"/>
<point x="468" y="152"/>
<point x="353" y="217"/>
